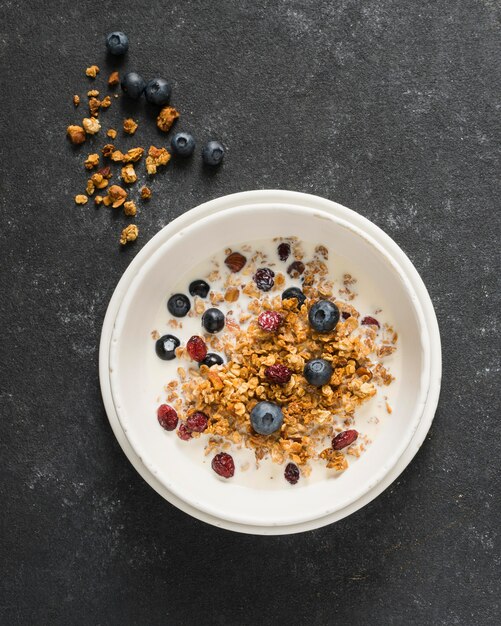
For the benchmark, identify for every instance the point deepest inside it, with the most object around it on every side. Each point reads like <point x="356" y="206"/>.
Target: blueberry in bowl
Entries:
<point x="178" y="305"/>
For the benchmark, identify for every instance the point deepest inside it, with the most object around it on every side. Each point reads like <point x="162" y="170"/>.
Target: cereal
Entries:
<point x="129" y="233"/>
<point x="76" y="134"/>
<point x="81" y="199"/>
<point x="92" y="71"/>
<point x="156" y="157"/>
<point x="130" y="126"/>
<point x="91" y="125"/>
<point x="167" y="117"/>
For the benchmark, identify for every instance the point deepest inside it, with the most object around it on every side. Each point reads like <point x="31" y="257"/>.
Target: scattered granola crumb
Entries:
<point x="389" y="410"/>
<point x="117" y="195"/>
<point x="130" y="126"/>
<point x="93" y="93"/>
<point x="92" y="71"/>
<point x="81" y="199"/>
<point x="94" y="105"/>
<point x="111" y="132"/>
<point x="167" y="117"/>
<point x="89" y="190"/>
<point x="91" y="161"/>
<point x="129" y="174"/>
<point x="76" y="100"/>
<point x="108" y="149"/>
<point x="114" y="79"/>
<point x="106" y="102"/>
<point x="99" y="180"/>
<point x="76" y="134"/>
<point x="91" y="125"/>
<point x="145" y="193"/>
<point x="98" y="200"/>
<point x="129" y="233"/>
<point x="156" y="157"/>
<point x="130" y="208"/>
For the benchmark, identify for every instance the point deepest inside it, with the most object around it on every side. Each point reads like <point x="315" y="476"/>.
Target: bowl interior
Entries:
<point x="135" y="386"/>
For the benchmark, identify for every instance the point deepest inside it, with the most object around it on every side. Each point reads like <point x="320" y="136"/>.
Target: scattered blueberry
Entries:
<point x="157" y="91"/>
<point x="264" y="278"/>
<point x="212" y="359"/>
<point x="266" y="418"/>
<point x="213" y="153"/>
<point x="213" y="320"/>
<point x="178" y="305"/>
<point x="183" y="144"/>
<point x="323" y="316"/>
<point x="117" y="43"/>
<point x="294" y="292"/>
<point x="133" y="85"/>
<point x="318" y="372"/>
<point x="199" y="288"/>
<point x="165" y="347"/>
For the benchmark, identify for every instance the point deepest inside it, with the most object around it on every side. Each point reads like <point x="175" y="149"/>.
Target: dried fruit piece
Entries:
<point x="344" y="439"/>
<point x="129" y="233"/>
<point x="167" y="417"/>
<point x="270" y="320"/>
<point x="235" y="262"/>
<point x="291" y="473"/>
<point x="196" y="348"/>
<point x="278" y="373"/>
<point x="370" y="321"/>
<point x="167" y="117"/>
<point x="345" y="315"/>
<point x="76" y="134"/>
<point x="223" y="465"/>
<point x="183" y="433"/>
<point x="105" y="171"/>
<point x="264" y="278"/>
<point x="295" y="269"/>
<point x="284" y="251"/>
<point x="197" y="422"/>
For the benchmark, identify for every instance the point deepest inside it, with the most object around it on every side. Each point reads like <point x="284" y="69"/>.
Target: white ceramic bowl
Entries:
<point x="164" y="456"/>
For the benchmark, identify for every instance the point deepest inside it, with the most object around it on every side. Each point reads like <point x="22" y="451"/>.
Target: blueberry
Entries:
<point x="294" y="292"/>
<point x="212" y="359"/>
<point x="178" y="305"/>
<point x="266" y="418"/>
<point x="213" y="153"/>
<point x="117" y="43"/>
<point x="157" y="91"/>
<point x="133" y="85"/>
<point x="165" y="347"/>
<point x="318" y="372"/>
<point x="199" y="288"/>
<point x="213" y="320"/>
<point x="323" y="316"/>
<point x="182" y="144"/>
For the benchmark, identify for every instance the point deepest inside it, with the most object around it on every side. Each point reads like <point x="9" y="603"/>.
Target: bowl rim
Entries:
<point x="266" y="196"/>
<point x="301" y="514"/>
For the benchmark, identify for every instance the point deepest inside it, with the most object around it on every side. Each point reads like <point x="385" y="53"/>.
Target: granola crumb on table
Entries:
<point x="91" y="125"/>
<point x="130" y="208"/>
<point x="106" y="102"/>
<point x="129" y="233"/>
<point x="81" y="199"/>
<point x="167" y="116"/>
<point x="76" y="134"/>
<point x="114" y="79"/>
<point x="145" y="193"/>
<point x="156" y="157"/>
<point x="92" y="71"/>
<point x="76" y="100"/>
<point x="128" y="173"/>
<point x="91" y="161"/>
<point x="130" y="126"/>
<point x="111" y="132"/>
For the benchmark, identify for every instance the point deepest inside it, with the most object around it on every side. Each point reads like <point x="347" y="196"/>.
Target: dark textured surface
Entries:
<point x="389" y="107"/>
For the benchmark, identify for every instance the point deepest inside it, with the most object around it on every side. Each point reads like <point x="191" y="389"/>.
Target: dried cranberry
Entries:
<point x="223" y="465"/>
<point x="295" y="269"/>
<point x="345" y="315"/>
<point x="269" y="320"/>
<point x="197" y="422"/>
<point x="284" y="251"/>
<point x="196" y="348"/>
<point x="183" y="432"/>
<point x="278" y="373"/>
<point x="291" y="473"/>
<point x="370" y="321"/>
<point x="167" y="417"/>
<point x="344" y="439"/>
<point x="264" y="278"/>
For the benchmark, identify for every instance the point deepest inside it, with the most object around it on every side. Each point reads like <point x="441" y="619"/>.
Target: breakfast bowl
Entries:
<point x="257" y="498"/>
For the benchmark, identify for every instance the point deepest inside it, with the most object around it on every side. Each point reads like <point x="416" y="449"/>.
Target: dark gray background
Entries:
<point x="389" y="107"/>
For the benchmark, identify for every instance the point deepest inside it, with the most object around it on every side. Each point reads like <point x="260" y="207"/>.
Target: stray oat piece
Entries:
<point x="129" y="233"/>
<point x="130" y="126"/>
<point x="111" y="132"/>
<point x="98" y="200"/>
<point x="91" y="161"/>
<point x="76" y="100"/>
<point x="155" y="158"/>
<point x="92" y="71"/>
<point x="91" y="125"/>
<point x="90" y="189"/>
<point x="114" y="79"/>
<point x="93" y="93"/>
<point x="81" y="199"/>
<point x="94" y="105"/>
<point x="108" y="149"/>
<point x="117" y="195"/>
<point x="76" y="134"/>
<point x="145" y="193"/>
<point x="100" y="182"/>
<point x="130" y="209"/>
<point x="167" y="117"/>
<point x="129" y="174"/>
<point x="105" y="102"/>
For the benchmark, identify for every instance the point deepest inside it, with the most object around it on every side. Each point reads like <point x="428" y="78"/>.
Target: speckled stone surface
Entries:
<point x="389" y="107"/>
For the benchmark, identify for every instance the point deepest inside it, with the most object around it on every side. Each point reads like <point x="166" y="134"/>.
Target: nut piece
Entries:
<point x="130" y="126"/>
<point x="108" y="149"/>
<point x="167" y="117"/>
<point x="76" y="100"/>
<point x="91" y="125"/>
<point x="106" y="102"/>
<point x="92" y="71"/>
<point x="117" y="195"/>
<point x="100" y="182"/>
<point x="145" y="193"/>
<point x="134" y="154"/>
<point x="235" y="261"/>
<point x="111" y="132"/>
<point x="81" y="199"/>
<point x="91" y="161"/>
<point x="231" y="294"/>
<point x="114" y="79"/>
<point x="129" y="174"/>
<point x="92" y="93"/>
<point x="155" y="158"/>
<point x="129" y="233"/>
<point x="76" y="134"/>
<point x="130" y="209"/>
